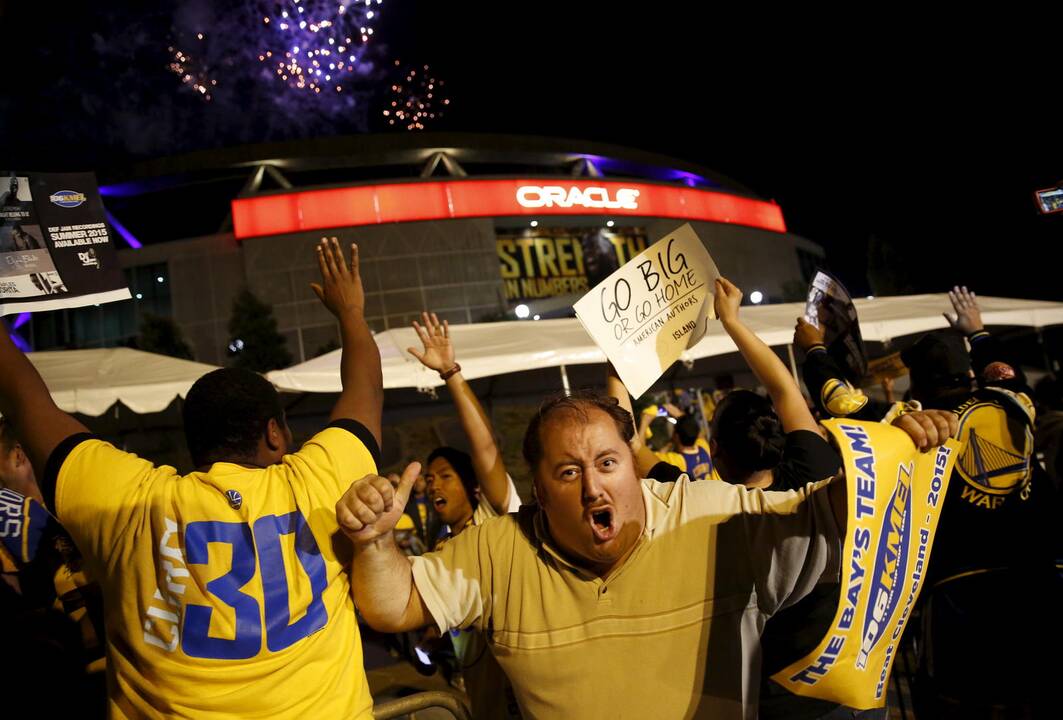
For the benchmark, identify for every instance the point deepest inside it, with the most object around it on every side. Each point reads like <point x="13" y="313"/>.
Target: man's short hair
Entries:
<point x="687" y="430"/>
<point x="579" y="403"/>
<point x="226" y="413"/>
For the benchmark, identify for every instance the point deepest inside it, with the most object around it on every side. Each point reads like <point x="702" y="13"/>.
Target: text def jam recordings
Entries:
<point x="73" y="235"/>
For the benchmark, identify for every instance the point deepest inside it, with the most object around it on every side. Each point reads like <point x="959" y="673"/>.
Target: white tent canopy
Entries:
<point x="90" y="381"/>
<point x="488" y="349"/>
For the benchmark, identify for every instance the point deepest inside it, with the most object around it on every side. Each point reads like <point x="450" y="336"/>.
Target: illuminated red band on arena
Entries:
<point x="452" y="199"/>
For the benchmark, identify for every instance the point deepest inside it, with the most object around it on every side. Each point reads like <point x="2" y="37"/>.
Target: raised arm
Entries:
<point x="785" y="395"/>
<point x="989" y="361"/>
<point x="438" y="355"/>
<point x="25" y="401"/>
<point x="341" y="291"/>
<point x="381" y="577"/>
<point x="645" y="458"/>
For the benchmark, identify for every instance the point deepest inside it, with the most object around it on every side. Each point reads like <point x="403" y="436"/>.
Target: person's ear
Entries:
<point x="275" y="439"/>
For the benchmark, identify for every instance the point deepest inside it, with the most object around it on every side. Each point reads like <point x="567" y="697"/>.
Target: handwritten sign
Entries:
<point x="648" y="312"/>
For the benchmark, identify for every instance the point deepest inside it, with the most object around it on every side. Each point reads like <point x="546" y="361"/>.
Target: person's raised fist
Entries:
<point x="372" y="506"/>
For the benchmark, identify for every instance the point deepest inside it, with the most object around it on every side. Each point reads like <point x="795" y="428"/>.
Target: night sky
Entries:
<point x="928" y="132"/>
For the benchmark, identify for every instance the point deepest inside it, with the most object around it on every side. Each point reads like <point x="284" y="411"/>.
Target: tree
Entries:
<point x="254" y="342"/>
<point x="161" y="335"/>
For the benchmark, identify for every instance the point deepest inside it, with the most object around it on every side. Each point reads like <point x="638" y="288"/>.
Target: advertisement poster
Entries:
<point x="55" y="248"/>
<point x="831" y="309"/>
<point x="539" y="263"/>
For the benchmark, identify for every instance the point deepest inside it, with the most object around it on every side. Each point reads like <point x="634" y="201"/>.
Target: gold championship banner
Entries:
<point x="895" y="494"/>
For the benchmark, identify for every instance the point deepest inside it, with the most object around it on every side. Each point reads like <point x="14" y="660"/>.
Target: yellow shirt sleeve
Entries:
<point x="336" y="457"/>
<point x="101" y="492"/>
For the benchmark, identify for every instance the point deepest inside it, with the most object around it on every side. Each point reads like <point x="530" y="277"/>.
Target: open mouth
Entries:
<point x="601" y="521"/>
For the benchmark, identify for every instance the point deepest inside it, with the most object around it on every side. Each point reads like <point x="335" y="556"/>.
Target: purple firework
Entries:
<point x="316" y="45"/>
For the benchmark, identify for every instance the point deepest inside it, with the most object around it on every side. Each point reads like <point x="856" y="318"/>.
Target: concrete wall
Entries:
<point x="450" y="267"/>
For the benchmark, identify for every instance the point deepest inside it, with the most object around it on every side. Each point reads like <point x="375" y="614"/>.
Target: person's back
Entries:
<point x="232" y="564"/>
<point x="693" y="449"/>
<point x="226" y="591"/>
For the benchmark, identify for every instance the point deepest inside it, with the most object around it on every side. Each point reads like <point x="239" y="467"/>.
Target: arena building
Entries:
<point x="470" y="226"/>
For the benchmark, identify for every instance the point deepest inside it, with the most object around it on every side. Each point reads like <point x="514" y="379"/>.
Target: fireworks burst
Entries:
<point x="316" y="45"/>
<point x="192" y="68"/>
<point x="417" y="98"/>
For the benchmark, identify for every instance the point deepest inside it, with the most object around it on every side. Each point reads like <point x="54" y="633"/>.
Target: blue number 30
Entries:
<point x="280" y="632"/>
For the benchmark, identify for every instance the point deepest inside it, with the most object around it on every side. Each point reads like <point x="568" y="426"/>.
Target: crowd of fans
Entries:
<point x="636" y="582"/>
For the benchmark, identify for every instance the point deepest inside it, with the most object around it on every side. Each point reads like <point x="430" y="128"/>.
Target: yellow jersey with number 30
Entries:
<point x="226" y="592"/>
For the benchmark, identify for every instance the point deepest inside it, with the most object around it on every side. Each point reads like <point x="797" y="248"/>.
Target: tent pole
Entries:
<point x="564" y="380"/>
<point x="1044" y="352"/>
<point x="793" y="363"/>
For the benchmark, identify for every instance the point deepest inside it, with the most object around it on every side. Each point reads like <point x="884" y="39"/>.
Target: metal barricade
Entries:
<point x="405" y="706"/>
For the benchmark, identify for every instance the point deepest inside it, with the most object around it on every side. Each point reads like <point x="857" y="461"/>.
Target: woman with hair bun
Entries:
<point x="770" y="444"/>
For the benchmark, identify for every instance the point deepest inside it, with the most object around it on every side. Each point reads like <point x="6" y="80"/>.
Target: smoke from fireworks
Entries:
<point x="416" y="99"/>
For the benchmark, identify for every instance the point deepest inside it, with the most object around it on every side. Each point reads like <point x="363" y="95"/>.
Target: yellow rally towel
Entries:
<point x="895" y="494"/>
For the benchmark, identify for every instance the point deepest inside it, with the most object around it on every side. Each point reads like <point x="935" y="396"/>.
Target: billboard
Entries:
<point x="55" y="248"/>
<point x="539" y="263"/>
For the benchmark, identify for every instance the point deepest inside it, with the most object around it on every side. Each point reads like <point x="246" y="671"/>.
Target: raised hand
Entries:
<point x="438" y="353"/>
<point x="341" y="286"/>
<point x="968" y="316"/>
<point x="726" y="300"/>
<point x="372" y="506"/>
<point x="806" y="335"/>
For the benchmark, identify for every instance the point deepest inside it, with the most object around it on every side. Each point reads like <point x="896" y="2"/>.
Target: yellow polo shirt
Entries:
<point x="226" y="592"/>
<point x="672" y="633"/>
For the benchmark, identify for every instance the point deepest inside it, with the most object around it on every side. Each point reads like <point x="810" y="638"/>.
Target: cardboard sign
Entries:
<point x="895" y="495"/>
<point x="55" y="248"/>
<point x="644" y="315"/>
<point x="888" y="367"/>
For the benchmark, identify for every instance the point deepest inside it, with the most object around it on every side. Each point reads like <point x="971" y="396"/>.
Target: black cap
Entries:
<point x="938" y="360"/>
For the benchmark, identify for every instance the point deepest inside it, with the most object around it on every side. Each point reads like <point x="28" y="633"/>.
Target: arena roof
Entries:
<point x="189" y="195"/>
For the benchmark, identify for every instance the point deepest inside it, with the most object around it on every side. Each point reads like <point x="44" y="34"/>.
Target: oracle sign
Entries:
<point x="418" y="201"/>
<point x="535" y="196"/>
